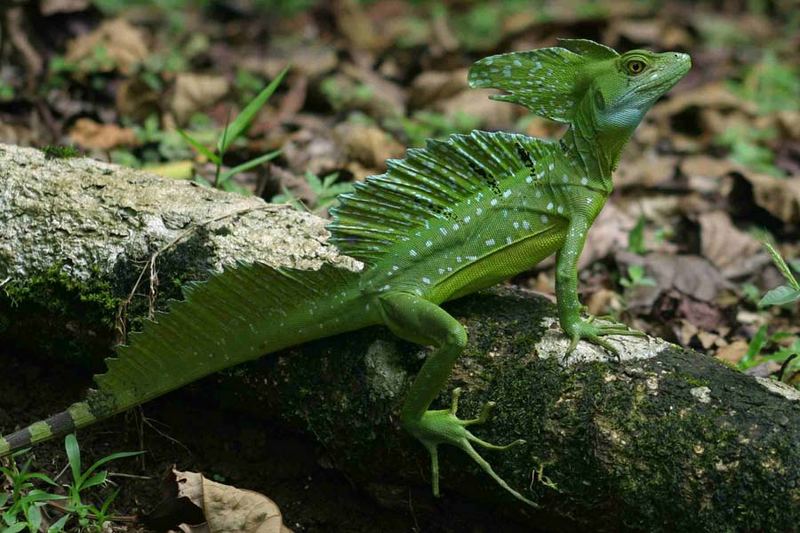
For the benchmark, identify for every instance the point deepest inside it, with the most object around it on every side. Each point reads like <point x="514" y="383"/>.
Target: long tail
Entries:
<point x="241" y="314"/>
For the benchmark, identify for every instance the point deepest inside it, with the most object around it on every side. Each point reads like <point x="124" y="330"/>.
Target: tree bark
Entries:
<point x="663" y="439"/>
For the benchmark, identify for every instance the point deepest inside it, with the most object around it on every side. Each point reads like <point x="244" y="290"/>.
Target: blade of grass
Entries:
<point x="225" y="176"/>
<point x="197" y="145"/>
<point x="782" y="266"/>
<point x="243" y="120"/>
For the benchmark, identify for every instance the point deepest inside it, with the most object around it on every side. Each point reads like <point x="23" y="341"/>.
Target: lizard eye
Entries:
<point x="635" y="66"/>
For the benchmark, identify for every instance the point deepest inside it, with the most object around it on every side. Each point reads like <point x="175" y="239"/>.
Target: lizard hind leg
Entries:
<point x="420" y="321"/>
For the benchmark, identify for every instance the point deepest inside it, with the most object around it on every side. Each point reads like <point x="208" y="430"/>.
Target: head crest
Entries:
<point x="548" y="81"/>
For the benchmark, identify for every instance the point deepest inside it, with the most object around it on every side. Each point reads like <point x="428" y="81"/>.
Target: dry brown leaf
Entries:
<point x="705" y="316"/>
<point x="733" y="352"/>
<point x="603" y="301"/>
<point x="779" y="196"/>
<point x="684" y="331"/>
<point x="705" y="166"/>
<point x="137" y="100"/>
<point x="712" y="95"/>
<point x="648" y="170"/>
<point x="355" y="25"/>
<point x="313" y="148"/>
<point x="52" y="7"/>
<point x="688" y="274"/>
<point x="195" y="92"/>
<point x="368" y="145"/>
<point x="123" y="43"/>
<point x="92" y="135"/>
<point x="609" y="232"/>
<point x="734" y="252"/>
<point x="434" y="85"/>
<point x="491" y="114"/>
<point x="387" y="98"/>
<point x="312" y="59"/>
<point x="228" y="509"/>
<point x="789" y="122"/>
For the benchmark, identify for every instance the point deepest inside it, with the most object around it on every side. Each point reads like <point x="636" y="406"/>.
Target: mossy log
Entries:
<point x="662" y="439"/>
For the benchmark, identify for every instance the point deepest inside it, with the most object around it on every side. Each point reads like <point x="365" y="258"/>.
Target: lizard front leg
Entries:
<point x="415" y="319"/>
<point x="569" y="306"/>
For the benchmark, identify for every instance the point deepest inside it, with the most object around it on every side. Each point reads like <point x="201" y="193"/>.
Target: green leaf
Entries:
<point x="58" y="526"/>
<point x="74" y="456"/>
<point x="200" y="147"/>
<point x="19" y="526"/>
<point x="97" y="479"/>
<point x="42" y="477"/>
<point x="228" y="174"/>
<point x="636" y="237"/>
<point x="240" y="124"/>
<point x="780" y="296"/>
<point x="34" y="516"/>
<point x="108" y="458"/>
<point x="782" y="266"/>
<point x="754" y="348"/>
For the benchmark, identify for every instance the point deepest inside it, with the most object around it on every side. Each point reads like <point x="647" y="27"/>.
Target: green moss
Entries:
<point x="56" y="291"/>
<point x="79" y="317"/>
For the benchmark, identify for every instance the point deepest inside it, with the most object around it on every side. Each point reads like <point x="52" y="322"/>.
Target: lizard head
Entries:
<point x="552" y="82"/>
<point x="625" y="88"/>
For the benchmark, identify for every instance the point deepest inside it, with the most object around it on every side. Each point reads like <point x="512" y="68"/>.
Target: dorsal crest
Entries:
<point x="548" y="81"/>
<point x="429" y="184"/>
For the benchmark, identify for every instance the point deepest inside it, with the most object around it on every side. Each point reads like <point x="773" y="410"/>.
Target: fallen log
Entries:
<point x="663" y="439"/>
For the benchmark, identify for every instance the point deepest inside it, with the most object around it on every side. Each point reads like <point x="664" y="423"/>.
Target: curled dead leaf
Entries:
<point x="228" y="509"/>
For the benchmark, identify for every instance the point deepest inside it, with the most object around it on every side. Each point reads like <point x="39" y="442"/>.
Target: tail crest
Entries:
<point x="238" y="315"/>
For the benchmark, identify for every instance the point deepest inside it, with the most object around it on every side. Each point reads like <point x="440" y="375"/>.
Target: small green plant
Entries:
<point x="637" y="278"/>
<point x="235" y="129"/>
<point x="751" y="293"/>
<point x="783" y="294"/>
<point x="87" y="513"/>
<point x="636" y="237"/>
<point x="786" y="354"/>
<point x="6" y="91"/>
<point x="21" y="509"/>
<point x="747" y="148"/>
<point x="771" y="83"/>
<point x="325" y="190"/>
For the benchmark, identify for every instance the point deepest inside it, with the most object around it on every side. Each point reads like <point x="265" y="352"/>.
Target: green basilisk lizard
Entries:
<point x="450" y="219"/>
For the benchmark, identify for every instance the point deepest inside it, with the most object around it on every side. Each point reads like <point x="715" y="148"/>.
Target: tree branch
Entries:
<point x="663" y="439"/>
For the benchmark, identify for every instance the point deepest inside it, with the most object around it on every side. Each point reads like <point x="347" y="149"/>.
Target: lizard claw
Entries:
<point x="592" y="332"/>
<point x="444" y="427"/>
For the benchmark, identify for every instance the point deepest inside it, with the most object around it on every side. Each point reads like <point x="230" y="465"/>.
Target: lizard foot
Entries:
<point x="444" y="427"/>
<point x="591" y="332"/>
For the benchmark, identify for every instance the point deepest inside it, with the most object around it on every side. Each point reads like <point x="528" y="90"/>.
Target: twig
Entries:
<point x="150" y="266"/>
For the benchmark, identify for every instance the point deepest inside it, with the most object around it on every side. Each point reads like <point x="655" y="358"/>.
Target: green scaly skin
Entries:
<point x="452" y="218"/>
